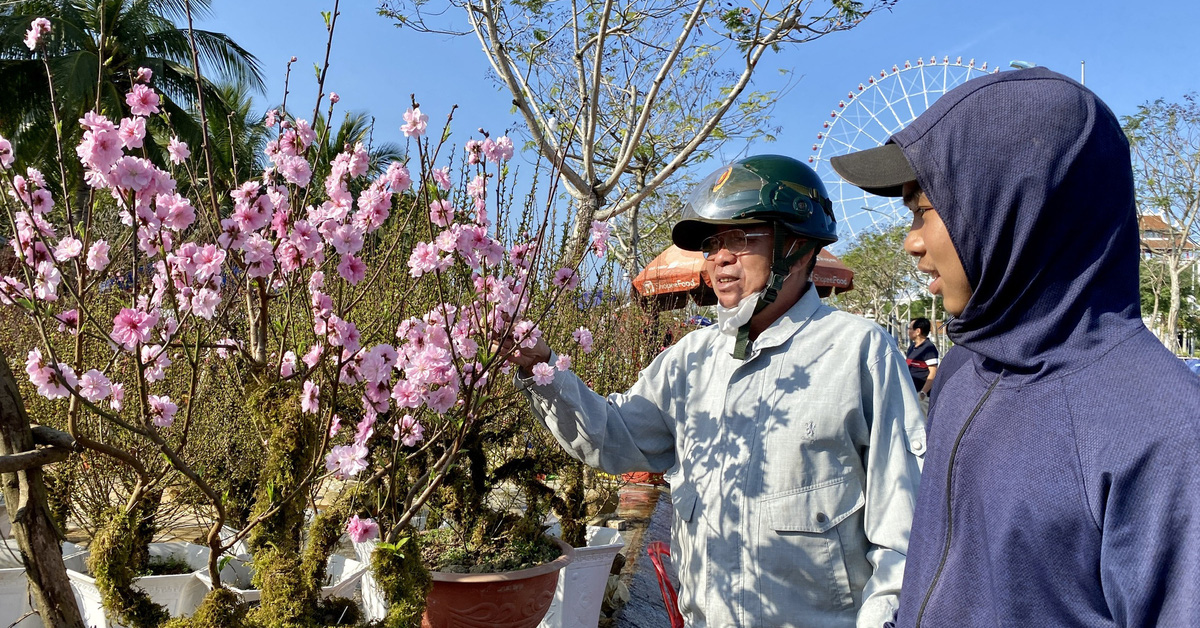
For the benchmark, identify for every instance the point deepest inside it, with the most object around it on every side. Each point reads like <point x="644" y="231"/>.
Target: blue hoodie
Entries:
<point x="1062" y="480"/>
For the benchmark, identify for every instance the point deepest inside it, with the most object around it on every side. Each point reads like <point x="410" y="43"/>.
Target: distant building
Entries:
<point x="1157" y="237"/>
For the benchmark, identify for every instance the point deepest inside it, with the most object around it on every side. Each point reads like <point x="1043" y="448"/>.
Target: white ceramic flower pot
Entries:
<point x="179" y="593"/>
<point x="14" y="586"/>
<point x="342" y="575"/>
<point x="580" y="591"/>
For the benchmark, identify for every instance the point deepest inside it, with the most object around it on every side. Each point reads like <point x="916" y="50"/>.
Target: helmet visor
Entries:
<point x="724" y="194"/>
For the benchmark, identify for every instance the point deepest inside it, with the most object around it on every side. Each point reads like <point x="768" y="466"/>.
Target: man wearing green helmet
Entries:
<point x="790" y="432"/>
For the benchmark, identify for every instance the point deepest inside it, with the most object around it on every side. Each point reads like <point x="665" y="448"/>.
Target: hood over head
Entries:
<point x="1031" y="174"/>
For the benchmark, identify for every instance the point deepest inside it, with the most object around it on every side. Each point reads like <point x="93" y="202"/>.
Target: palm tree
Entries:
<point x="94" y="51"/>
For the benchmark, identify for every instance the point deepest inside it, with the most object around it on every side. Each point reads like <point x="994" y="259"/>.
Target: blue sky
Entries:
<point x="1134" y="52"/>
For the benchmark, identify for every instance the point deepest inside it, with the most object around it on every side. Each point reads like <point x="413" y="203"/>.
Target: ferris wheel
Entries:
<point x="868" y="116"/>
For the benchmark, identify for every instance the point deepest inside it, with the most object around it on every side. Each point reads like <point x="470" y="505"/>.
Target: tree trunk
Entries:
<point x="585" y="213"/>
<point x="36" y="535"/>
<point x="1172" y="339"/>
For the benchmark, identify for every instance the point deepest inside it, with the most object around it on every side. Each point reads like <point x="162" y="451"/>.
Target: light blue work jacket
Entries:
<point x="793" y="474"/>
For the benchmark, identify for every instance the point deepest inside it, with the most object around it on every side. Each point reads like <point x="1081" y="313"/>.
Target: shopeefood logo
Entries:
<point x="724" y="177"/>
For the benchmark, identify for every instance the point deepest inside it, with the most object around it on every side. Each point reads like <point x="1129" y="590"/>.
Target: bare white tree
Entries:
<point x="622" y="94"/>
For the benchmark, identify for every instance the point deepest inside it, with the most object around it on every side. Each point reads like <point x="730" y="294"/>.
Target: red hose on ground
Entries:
<point x="657" y="550"/>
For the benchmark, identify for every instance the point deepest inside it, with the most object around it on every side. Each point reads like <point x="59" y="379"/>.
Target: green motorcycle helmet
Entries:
<point x="758" y="190"/>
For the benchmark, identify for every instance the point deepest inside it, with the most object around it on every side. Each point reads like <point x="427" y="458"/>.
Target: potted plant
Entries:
<point x="342" y="313"/>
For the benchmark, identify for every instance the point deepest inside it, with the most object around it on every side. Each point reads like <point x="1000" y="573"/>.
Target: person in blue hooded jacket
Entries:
<point x="1060" y="485"/>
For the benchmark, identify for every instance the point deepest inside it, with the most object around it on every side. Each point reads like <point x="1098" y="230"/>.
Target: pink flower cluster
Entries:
<point x="37" y="30"/>
<point x="361" y="530"/>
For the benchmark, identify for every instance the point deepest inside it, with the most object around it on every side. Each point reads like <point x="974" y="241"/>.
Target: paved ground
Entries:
<point x="647" y="511"/>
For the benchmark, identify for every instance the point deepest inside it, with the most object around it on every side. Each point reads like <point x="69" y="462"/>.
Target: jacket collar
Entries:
<point x="786" y="326"/>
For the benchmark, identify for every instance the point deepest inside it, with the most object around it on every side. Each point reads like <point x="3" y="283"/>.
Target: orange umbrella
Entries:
<point x="676" y="273"/>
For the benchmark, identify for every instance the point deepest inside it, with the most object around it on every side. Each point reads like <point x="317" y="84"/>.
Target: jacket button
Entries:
<point x="821" y="518"/>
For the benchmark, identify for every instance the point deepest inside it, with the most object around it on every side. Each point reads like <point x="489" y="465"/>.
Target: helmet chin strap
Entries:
<point x="781" y="268"/>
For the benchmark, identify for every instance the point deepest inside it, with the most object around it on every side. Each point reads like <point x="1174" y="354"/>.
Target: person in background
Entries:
<point x="922" y="358"/>
<point x="788" y="431"/>
<point x="1060" y="487"/>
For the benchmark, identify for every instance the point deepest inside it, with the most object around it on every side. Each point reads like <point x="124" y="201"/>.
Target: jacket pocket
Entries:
<point x="808" y="536"/>
<point x="815" y="509"/>
<point x="688" y="547"/>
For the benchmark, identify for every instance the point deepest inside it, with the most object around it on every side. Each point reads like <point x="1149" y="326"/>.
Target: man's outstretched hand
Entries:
<point x="526" y="357"/>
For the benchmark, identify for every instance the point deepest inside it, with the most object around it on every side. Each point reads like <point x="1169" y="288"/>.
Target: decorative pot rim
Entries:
<point x="568" y="553"/>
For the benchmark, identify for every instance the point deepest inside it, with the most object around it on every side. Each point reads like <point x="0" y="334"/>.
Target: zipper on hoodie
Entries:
<point x="949" y="499"/>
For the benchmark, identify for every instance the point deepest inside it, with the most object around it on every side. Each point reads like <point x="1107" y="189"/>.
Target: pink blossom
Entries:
<point x="441" y="212"/>
<point x="156" y="362"/>
<point x="94" y="386"/>
<point x="424" y="259"/>
<point x="474" y="149"/>
<point x="39" y="28"/>
<point x="288" y="365"/>
<point x="600" y="233"/>
<point x="143" y="75"/>
<point x="133" y="173"/>
<point x="543" y="374"/>
<point x="313" y="356"/>
<point x="442" y="399"/>
<point x="477" y="187"/>
<point x="94" y="121"/>
<point x="563" y="363"/>
<point x="204" y="303"/>
<point x="408" y="431"/>
<point x="343" y="333"/>
<point x="334" y="98"/>
<point x="142" y="100"/>
<point x="305" y="133"/>
<point x="67" y="248"/>
<point x="346" y="239"/>
<point x="45" y="286"/>
<point x="132" y="132"/>
<point x="97" y="257"/>
<point x="415" y="123"/>
<point x="504" y="149"/>
<point x="352" y="269"/>
<point x="132" y="327"/>
<point x="335" y="425"/>
<point x="310" y="398"/>
<point x="295" y="169"/>
<point x="270" y="119"/>
<point x="162" y="410"/>
<point x="365" y="430"/>
<point x="442" y="177"/>
<point x="346" y="461"/>
<point x="566" y="278"/>
<point x="117" y="400"/>
<point x="359" y="161"/>
<point x="6" y="154"/>
<point x="100" y="148"/>
<point x="178" y="209"/>
<point x="525" y="334"/>
<point x="178" y="150"/>
<point x="407" y="394"/>
<point x="397" y="177"/>
<point x="208" y="262"/>
<point x="68" y="322"/>
<point x="361" y="530"/>
<point x="584" y="337"/>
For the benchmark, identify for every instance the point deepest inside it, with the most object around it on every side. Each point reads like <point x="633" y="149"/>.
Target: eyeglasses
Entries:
<point x="733" y="241"/>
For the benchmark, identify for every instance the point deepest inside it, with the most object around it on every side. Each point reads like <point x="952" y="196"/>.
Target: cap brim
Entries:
<point x="882" y="171"/>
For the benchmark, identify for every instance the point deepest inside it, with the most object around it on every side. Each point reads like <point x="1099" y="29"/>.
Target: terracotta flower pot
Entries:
<point x="513" y="599"/>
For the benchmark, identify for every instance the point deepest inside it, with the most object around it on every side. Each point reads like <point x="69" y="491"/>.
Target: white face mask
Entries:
<point x="730" y="319"/>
